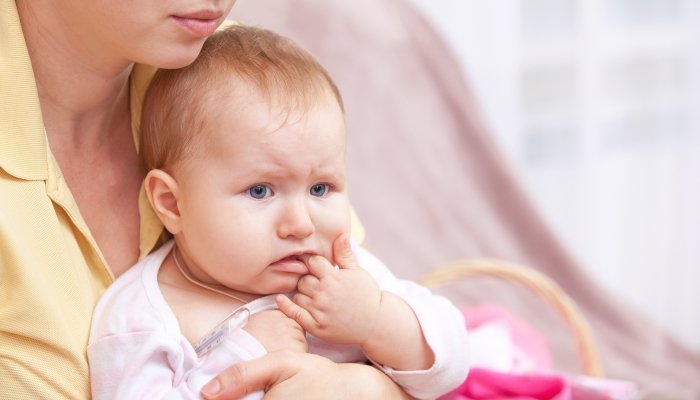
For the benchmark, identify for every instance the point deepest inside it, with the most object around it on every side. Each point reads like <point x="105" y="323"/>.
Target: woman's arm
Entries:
<point x="295" y="376"/>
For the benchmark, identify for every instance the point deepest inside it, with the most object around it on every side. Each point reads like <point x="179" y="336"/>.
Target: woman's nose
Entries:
<point x="295" y="222"/>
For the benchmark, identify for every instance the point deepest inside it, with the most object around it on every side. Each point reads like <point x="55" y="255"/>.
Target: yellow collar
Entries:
<point x="22" y="139"/>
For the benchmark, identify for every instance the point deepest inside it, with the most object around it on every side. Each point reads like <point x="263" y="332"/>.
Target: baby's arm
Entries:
<point x="276" y="332"/>
<point x="136" y="349"/>
<point x="397" y="340"/>
<point x="442" y="326"/>
<point x="418" y="339"/>
<point x="138" y="365"/>
<point x="153" y="365"/>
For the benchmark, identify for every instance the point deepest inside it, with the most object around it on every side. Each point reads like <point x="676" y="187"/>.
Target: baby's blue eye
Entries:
<point x="319" y="189"/>
<point x="259" y="192"/>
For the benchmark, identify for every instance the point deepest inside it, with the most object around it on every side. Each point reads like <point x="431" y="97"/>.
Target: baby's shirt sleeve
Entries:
<point x="443" y="328"/>
<point x="149" y="365"/>
<point x="136" y="350"/>
<point x="139" y="365"/>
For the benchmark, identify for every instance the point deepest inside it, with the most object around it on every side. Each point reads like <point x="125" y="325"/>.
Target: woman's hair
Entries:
<point x="272" y="67"/>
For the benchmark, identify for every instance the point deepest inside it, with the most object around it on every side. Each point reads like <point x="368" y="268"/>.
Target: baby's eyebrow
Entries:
<point x="331" y="173"/>
<point x="271" y="170"/>
<point x="276" y="174"/>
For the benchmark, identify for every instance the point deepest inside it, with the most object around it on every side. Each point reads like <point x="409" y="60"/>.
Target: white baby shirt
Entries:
<point x="136" y="350"/>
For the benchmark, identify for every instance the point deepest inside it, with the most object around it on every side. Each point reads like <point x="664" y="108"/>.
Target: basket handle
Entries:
<point x="537" y="282"/>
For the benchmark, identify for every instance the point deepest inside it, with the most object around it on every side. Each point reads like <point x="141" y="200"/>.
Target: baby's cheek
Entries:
<point x="332" y="220"/>
<point x="341" y="215"/>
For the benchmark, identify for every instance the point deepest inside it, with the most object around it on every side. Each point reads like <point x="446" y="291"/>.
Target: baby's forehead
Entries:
<point x="236" y="67"/>
<point x="243" y="118"/>
<point x="240" y="103"/>
<point x="282" y="97"/>
<point x="247" y="136"/>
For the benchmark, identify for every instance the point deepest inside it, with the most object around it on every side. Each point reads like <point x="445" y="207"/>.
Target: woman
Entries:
<point x="72" y="214"/>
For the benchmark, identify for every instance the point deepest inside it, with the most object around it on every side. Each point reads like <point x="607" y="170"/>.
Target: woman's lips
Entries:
<point x="202" y="24"/>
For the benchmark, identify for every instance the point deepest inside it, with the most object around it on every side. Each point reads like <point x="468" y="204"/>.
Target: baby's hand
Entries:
<point x="338" y="305"/>
<point x="276" y="332"/>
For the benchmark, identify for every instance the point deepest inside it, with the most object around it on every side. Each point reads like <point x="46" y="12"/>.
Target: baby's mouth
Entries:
<point x="292" y="264"/>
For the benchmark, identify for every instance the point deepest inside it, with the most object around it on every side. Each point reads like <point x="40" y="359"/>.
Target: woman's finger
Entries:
<point x="343" y="253"/>
<point x="246" y="377"/>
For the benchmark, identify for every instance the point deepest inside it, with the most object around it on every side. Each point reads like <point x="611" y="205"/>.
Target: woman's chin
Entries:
<point x="175" y="57"/>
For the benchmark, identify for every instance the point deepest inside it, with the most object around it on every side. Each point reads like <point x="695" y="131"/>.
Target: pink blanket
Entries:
<point x="510" y="360"/>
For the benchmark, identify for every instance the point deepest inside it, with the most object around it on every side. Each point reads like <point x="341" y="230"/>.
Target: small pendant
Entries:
<point x="234" y="321"/>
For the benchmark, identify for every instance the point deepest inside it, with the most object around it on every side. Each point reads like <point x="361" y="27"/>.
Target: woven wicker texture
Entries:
<point x="540" y="284"/>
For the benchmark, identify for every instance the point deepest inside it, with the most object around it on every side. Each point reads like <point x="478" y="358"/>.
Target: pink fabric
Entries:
<point x="524" y="337"/>
<point x="431" y="186"/>
<point x="484" y="384"/>
<point x="528" y="375"/>
<point x="136" y="350"/>
<point x="493" y="385"/>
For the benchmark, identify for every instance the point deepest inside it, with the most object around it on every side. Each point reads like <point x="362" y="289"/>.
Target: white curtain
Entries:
<point x="597" y="103"/>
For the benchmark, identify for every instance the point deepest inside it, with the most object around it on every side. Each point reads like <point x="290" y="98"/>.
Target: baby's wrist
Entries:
<point x="397" y="340"/>
<point x="381" y="332"/>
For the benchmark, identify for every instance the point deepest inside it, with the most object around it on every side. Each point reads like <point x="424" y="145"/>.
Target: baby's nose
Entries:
<point x="296" y="222"/>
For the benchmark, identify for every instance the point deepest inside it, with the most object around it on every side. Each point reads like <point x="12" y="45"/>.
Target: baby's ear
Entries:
<point x="163" y="193"/>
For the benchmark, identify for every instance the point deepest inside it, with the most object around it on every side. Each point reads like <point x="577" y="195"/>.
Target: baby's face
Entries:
<point x="263" y="192"/>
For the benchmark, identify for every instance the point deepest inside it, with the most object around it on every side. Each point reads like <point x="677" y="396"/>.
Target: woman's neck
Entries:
<point x="84" y="96"/>
<point x="83" y="90"/>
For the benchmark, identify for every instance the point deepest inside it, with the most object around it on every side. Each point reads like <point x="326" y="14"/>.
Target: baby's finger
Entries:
<point x="303" y="301"/>
<point x="293" y="311"/>
<point x="318" y="265"/>
<point x="343" y="253"/>
<point x="308" y="285"/>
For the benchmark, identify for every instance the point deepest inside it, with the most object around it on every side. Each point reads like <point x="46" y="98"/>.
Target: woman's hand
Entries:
<point x="276" y="332"/>
<point x="299" y="376"/>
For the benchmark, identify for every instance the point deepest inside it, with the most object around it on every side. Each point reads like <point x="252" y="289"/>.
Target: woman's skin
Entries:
<point x="285" y="374"/>
<point x="82" y="52"/>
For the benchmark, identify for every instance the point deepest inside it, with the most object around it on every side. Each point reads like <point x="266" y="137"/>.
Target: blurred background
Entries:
<point x="463" y="113"/>
<point x="597" y="105"/>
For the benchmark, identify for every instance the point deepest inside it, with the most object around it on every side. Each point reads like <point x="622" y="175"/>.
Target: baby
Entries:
<point x="244" y="152"/>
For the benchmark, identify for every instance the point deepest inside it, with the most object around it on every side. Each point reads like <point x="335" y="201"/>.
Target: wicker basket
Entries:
<point x="540" y="284"/>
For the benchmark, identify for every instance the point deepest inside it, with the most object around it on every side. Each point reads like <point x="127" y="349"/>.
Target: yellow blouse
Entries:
<point x="51" y="271"/>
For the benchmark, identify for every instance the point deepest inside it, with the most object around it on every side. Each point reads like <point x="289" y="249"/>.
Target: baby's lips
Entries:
<point x="293" y="266"/>
<point x="304" y="257"/>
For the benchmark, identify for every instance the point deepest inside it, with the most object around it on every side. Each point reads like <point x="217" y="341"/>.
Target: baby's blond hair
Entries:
<point x="176" y="103"/>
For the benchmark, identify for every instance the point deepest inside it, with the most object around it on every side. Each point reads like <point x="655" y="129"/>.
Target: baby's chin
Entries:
<point x="286" y="284"/>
